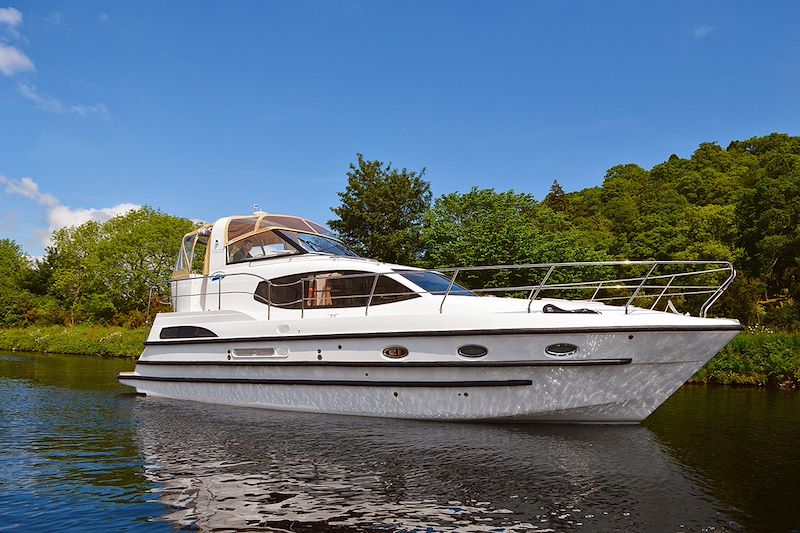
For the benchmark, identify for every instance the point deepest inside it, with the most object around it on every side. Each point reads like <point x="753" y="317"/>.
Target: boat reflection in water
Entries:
<point x="224" y="467"/>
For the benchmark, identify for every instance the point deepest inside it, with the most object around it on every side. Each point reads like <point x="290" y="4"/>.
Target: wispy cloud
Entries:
<point x="48" y="103"/>
<point x="59" y="215"/>
<point x="10" y="17"/>
<point x="29" y="189"/>
<point x="13" y="61"/>
<point x="54" y="19"/>
<point x="702" y="31"/>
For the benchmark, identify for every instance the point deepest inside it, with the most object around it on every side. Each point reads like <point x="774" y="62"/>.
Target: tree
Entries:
<point x="556" y="199"/>
<point x="485" y="227"/>
<point x="381" y="211"/>
<point x="104" y="271"/>
<point x="17" y="303"/>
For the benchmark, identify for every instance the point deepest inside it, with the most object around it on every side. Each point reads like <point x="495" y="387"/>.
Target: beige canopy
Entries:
<point x="245" y="226"/>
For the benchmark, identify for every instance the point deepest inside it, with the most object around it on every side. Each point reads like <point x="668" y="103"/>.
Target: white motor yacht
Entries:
<point x="273" y="311"/>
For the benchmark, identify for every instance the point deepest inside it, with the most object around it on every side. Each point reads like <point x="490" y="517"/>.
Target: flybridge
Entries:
<point x="240" y="239"/>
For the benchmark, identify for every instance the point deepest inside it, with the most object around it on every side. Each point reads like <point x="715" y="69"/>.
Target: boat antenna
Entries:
<point x="257" y="211"/>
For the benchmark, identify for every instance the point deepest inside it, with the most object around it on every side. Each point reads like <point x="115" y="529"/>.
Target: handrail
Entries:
<point x="535" y="293"/>
<point x="640" y="286"/>
<point x="449" y="288"/>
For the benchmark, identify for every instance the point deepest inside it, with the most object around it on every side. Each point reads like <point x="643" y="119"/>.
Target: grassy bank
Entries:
<point x="751" y="359"/>
<point x="756" y="359"/>
<point x="88" y="340"/>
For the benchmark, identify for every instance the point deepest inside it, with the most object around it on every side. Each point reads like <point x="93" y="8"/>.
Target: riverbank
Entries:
<point x="755" y="359"/>
<point x="111" y="341"/>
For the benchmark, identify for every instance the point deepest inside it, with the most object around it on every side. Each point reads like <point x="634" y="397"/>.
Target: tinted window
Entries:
<point x="318" y="243"/>
<point x="331" y="290"/>
<point x="433" y="282"/>
<point x="259" y="246"/>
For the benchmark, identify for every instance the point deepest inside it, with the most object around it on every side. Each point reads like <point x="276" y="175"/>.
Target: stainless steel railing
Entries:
<point x="660" y="280"/>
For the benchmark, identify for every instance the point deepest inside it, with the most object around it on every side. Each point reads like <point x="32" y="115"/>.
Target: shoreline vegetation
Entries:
<point x="756" y="359"/>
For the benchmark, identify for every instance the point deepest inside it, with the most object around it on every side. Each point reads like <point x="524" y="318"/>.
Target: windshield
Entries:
<point x="433" y="282"/>
<point x="259" y="246"/>
<point x="318" y="243"/>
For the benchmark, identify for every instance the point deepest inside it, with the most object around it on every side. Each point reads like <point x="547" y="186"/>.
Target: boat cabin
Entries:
<point x="286" y="263"/>
<point x="245" y="252"/>
<point x="241" y="239"/>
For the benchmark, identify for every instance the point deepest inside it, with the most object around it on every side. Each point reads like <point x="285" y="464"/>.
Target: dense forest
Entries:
<point x="740" y="203"/>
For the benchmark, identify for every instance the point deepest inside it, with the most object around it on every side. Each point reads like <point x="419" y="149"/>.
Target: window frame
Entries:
<point x="261" y="293"/>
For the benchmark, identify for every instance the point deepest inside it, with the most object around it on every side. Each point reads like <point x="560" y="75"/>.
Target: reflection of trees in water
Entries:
<point x="742" y="444"/>
<point x="68" y="452"/>
<point x="225" y="467"/>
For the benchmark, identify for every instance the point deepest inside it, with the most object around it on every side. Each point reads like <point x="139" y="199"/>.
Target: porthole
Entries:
<point x="561" y="349"/>
<point x="472" y="350"/>
<point x="395" y="352"/>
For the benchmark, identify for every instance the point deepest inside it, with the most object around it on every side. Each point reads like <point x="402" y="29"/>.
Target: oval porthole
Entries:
<point x="561" y="349"/>
<point x="395" y="352"/>
<point x="472" y="350"/>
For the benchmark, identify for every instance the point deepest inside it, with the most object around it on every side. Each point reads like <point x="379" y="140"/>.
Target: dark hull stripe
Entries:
<point x="451" y="333"/>
<point x="329" y="382"/>
<point x="395" y="364"/>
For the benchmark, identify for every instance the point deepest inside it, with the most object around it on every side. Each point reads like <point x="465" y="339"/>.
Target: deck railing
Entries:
<point x="652" y="283"/>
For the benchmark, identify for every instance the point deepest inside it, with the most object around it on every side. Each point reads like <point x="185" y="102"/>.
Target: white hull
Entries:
<point x="308" y="327"/>
<point x="613" y="379"/>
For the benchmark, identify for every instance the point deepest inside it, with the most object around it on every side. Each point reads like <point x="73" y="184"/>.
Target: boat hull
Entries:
<point x="615" y="377"/>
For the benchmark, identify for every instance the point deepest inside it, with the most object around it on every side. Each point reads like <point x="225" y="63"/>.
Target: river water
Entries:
<point x="80" y="452"/>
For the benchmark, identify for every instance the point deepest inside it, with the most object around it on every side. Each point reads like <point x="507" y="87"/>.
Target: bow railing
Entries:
<point x="656" y="285"/>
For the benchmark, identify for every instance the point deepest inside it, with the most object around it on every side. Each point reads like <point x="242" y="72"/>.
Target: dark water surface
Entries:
<point x="79" y="452"/>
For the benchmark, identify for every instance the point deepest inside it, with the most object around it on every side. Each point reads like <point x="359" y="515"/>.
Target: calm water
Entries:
<point x="78" y="451"/>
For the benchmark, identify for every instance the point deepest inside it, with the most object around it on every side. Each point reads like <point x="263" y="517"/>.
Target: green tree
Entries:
<point x="556" y="199"/>
<point x="104" y="271"/>
<point x="381" y="211"/>
<point x="17" y="302"/>
<point x="485" y="227"/>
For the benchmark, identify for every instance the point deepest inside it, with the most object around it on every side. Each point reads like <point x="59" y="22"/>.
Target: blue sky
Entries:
<point x="202" y="109"/>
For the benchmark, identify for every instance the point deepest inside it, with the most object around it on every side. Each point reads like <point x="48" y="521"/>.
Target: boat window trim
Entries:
<point x="309" y="226"/>
<point x="297" y="249"/>
<point x="408" y="293"/>
<point x="203" y="232"/>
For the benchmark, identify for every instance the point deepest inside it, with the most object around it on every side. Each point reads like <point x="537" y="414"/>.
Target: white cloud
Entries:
<point x="48" y="103"/>
<point x="702" y="31"/>
<point x="13" y="61"/>
<point x="59" y="215"/>
<point x="10" y="17"/>
<point x="29" y="189"/>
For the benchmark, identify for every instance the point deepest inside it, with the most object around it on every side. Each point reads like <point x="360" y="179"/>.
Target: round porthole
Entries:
<point x="561" y="349"/>
<point x="395" y="352"/>
<point x="472" y="350"/>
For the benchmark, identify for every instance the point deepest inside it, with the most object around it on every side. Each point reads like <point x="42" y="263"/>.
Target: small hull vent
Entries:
<point x="561" y="349"/>
<point x="472" y="350"/>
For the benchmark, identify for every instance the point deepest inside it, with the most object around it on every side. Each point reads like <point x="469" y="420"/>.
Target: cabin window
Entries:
<point x="433" y="282"/>
<point x="319" y="244"/>
<point x="259" y="246"/>
<point x="240" y="226"/>
<point x="192" y="254"/>
<point x="331" y="290"/>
